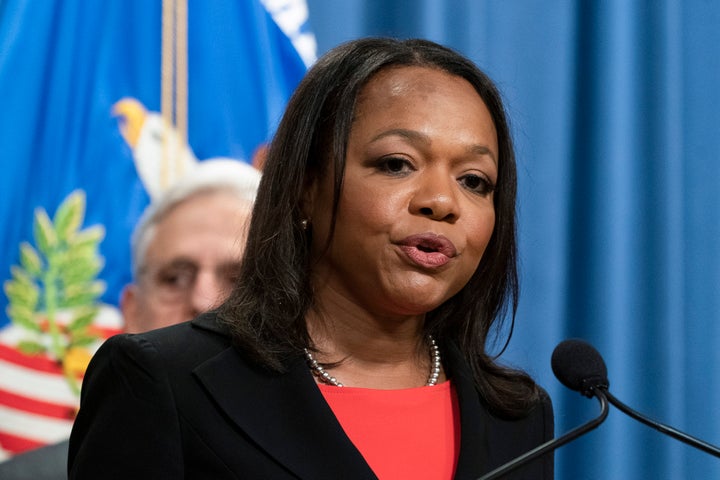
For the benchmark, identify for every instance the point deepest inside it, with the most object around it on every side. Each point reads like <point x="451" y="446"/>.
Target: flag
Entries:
<point x="82" y="85"/>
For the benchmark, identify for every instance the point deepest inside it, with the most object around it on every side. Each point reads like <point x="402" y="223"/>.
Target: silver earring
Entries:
<point x="304" y="223"/>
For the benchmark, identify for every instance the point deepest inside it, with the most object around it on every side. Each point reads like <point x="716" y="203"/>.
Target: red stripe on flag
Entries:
<point x="40" y="363"/>
<point x="15" y="444"/>
<point x="38" y="407"/>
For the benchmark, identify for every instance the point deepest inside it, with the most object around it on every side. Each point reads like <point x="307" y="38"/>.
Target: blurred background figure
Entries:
<point x="187" y="247"/>
<point x="186" y="250"/>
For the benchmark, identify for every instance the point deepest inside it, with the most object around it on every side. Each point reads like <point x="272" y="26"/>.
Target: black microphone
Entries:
<point x="584" y="355"/>
<point x="573" y="370"/>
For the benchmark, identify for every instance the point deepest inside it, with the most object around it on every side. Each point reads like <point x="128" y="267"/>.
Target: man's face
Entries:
<point x="191" y="262"/>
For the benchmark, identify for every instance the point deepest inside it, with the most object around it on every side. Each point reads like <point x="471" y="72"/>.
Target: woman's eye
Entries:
<point x="394" y="165"/>
<point x="477" y="184"/>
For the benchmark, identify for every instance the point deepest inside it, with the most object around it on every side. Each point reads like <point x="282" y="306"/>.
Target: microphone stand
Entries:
<point x="676" y="434"/>
<point x="551" y="445"/>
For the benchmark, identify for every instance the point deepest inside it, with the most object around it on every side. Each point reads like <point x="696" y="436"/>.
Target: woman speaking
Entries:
<point x="381" y="258"/>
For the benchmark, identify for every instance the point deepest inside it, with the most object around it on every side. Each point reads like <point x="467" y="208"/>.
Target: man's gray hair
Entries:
<point x="229" y="175"/>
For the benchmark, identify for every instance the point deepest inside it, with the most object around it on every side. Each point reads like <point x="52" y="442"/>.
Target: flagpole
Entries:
<point x="166" y="85"/>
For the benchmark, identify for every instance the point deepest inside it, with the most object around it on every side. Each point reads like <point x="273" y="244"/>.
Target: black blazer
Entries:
<point x="181" y="402"/>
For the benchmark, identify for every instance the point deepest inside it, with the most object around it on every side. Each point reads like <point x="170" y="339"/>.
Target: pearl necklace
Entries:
<point x="325" y="377"/>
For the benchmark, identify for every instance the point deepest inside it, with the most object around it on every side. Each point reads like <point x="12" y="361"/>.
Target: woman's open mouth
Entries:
<point x="428" y="250"/>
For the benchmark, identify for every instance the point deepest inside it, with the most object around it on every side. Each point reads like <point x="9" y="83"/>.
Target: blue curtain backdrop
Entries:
<point x="616" y="111"/>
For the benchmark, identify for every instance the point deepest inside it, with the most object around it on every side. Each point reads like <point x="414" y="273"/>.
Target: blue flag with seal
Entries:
<point x="93" y="95"/>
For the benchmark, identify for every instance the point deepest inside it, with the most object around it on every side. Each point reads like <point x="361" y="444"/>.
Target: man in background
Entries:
<point x="187" y="246"/>
<point x="186" y="249"/>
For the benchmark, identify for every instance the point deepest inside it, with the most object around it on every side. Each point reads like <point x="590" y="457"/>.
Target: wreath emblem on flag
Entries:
<point x="53" y="294"/>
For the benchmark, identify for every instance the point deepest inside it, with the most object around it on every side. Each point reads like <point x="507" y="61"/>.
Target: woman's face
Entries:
<point x="416" y="211"/>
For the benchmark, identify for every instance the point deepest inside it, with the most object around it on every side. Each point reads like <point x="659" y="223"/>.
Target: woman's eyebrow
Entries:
<point x="419" y="137"/>
<point x="412" y="135"/>
<point x="483" y="150"/>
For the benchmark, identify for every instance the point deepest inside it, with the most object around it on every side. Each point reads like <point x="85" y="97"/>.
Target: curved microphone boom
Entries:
<point x="581" y="355"/>
<point x="589" y="377"/>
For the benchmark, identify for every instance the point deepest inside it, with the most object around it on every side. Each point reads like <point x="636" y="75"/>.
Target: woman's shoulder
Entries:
<point x="185" y="343"/>
<point x="206" y="327"/>
<point x="543" y="410"/>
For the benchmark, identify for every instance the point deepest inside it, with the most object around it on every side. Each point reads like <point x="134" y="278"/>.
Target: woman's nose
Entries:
<point x="436" y="197"/>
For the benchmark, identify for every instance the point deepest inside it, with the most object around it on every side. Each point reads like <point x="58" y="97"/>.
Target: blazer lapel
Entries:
<point x="487" y="441"/>
<point x="285" y="414"/>
<point x="474" y="433"/>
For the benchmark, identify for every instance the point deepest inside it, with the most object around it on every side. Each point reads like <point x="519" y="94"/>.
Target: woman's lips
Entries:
<point x="428" y="250"/>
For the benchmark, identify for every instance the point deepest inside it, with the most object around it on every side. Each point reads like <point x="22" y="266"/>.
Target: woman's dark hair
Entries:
<point x="266" y="311"/>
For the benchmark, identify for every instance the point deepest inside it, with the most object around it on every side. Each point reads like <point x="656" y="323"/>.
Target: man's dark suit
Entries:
<point x="181" y="402"/>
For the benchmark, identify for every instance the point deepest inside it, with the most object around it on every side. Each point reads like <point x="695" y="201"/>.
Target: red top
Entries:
<point x="412" y="433"/>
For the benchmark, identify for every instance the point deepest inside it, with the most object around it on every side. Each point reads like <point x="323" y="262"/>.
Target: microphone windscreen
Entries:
<point x="578" y="365"/>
